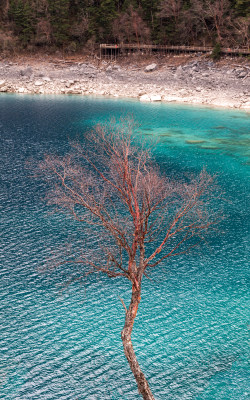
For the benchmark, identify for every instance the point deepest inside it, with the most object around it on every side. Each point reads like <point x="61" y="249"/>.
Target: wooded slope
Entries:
<point x="72" y="24"/>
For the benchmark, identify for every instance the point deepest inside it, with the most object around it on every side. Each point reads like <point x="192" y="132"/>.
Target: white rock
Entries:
<point x="155" y="97"/>
<point x="2" y="83"/>
<point x="21" y="90"/>
<point x="38" y="83"/>
<point x="183" y="92"/>
<point x="145" y="97"/>
<point x="47" y="79"/>
<point x="151" y="67"/>
<point x="170" y="98"/>
<point x="179" y="69"/>
<point x="223" y="102"/>
<point x="246" y="105"/>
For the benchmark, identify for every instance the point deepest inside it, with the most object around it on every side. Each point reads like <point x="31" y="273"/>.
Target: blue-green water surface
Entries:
<point x="191" y="332"/>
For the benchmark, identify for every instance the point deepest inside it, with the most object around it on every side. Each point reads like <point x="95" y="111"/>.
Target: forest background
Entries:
<point x="72" y="25"/>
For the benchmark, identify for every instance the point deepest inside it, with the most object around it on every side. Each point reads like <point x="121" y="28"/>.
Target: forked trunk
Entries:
<point x="142" y="383"/>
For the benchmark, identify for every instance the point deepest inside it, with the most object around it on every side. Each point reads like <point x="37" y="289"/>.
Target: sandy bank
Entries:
<point x="194" y="80"/>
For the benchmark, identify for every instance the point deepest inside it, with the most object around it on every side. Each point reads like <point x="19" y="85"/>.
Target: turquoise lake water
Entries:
<point x="191" y="333"/>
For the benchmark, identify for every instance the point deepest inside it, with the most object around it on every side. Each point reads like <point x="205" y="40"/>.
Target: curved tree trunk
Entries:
<point x="142" y="383"/>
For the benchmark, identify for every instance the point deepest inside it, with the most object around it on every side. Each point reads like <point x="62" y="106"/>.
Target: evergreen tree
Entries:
<point x="59" y="18"/>
<point x="105" y="15"/>
<point x="150" y="9"/>
<point x="243" y="8"/>
<point x="73" y="22"/>
<point x="21" y="13"/>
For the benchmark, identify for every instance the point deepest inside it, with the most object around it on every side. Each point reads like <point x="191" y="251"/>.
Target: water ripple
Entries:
<point x="192" y="326"/>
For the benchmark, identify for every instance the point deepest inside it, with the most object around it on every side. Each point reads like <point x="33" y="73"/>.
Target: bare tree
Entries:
<point x="171" y="8"/>
<point x="241" y="27"/>
<point x="79" y="28"/>
<point x="219" y="11"/>
<point x="130" y="27"/>
<point x="113" y="187"/>
<point x="43" y="32"/>
<point x="215" y="16"/>
<point x="4" y="8"/>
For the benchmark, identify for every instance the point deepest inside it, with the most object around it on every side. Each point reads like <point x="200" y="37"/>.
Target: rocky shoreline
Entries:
<point x="193" y="80"/>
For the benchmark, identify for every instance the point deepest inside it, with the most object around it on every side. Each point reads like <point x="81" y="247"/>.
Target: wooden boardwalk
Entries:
<point x="113" y="50"/>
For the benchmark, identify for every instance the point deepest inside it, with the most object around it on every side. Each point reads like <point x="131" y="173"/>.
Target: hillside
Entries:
<point x="71" y="25"/>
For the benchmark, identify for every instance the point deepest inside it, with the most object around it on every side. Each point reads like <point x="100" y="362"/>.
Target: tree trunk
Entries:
<point x="142" y="383"/>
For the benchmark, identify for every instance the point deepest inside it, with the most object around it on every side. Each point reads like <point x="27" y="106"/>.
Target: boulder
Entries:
<point x="109" y="68"/>
<point x="38" y="83"/>
<point x="145" y="97"/>
<point x="241" y="73"/>
<point x="155" y="97"/>
<point x="179" y="71"/>
<point x="183" y="92"/>
<point x="151" y="67"/>
<point x="195" y="68"/>
<point x="26" y="72"/>
<point x="246" y="105"/>
<point x="2" y="83"/>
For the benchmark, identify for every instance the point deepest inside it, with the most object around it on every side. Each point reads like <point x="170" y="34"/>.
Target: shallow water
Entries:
<point x="191" y="331"/>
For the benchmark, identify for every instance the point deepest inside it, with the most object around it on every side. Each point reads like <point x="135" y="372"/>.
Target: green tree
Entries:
<point x="59" y="18"/>
<point x="150" y="9"/>
<point x="242" y="8"/>
<point x="105" y="14"/>
<point x="21" y="13"/>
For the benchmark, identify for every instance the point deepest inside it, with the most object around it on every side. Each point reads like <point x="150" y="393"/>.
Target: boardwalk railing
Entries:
<point x="110" y="50"/>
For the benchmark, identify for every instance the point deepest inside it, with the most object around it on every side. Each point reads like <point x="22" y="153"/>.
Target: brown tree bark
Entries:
<point x="132" y="205"/>
<point x="142" y="383"/>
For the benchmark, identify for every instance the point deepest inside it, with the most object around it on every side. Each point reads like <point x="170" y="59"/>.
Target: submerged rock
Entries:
<point x="194" y="141"/>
